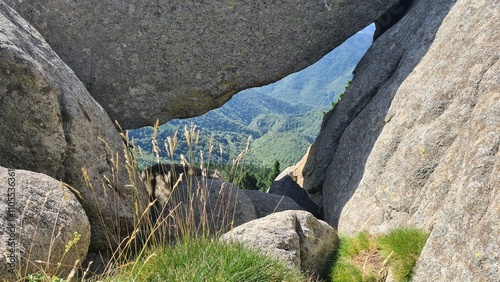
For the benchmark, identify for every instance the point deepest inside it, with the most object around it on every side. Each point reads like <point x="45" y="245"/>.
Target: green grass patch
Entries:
<point x="206" y="260"/>
<point x="368" y="257"/>
<point x="402" y="248"/>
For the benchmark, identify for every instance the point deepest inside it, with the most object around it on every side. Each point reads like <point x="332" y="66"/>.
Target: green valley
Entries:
<point x="283" y="118"/>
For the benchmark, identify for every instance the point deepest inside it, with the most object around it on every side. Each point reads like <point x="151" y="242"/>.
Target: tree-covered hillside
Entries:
<point x="283" y="118"/>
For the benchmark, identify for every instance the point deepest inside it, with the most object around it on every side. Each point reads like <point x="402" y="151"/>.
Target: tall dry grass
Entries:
<point x="186" y="215"/>
<point x="187" y="212"/>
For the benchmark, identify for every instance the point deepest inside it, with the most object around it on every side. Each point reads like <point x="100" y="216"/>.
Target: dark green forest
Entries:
<point x="282" y="118"/>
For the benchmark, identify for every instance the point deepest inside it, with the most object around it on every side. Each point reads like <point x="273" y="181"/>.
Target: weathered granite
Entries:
<point x="144" y="60"/>
<point x="197" y="199"/>
<point x="415" y="139"/>
<point x="285" y="186"/>
<point x="50" y="124"/>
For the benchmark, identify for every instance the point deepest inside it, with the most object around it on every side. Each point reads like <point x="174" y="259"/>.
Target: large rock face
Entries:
<point x="142" y="60"/>
<point x="50" y="124"/>
<point x="43" y="224"/>
<point x="415" y="139"/>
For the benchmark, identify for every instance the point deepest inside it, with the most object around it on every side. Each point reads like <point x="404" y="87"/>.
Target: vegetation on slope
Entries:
<point x="288" y="112"/>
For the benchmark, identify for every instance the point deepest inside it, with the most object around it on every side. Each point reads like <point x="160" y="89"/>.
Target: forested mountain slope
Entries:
<point x="283" y="118"/>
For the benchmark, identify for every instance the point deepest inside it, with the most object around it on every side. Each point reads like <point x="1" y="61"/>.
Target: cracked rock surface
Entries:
<point x="415" y="140"/>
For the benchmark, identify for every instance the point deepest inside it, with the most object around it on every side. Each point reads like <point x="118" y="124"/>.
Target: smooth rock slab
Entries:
<point x="144" y="60"/>
<point x="266" y="204"/>
<point x="285" y="186"/>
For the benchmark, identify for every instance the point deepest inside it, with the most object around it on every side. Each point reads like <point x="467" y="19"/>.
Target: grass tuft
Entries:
<point x="368" y="257"/>
<point x="206" y="260"/>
